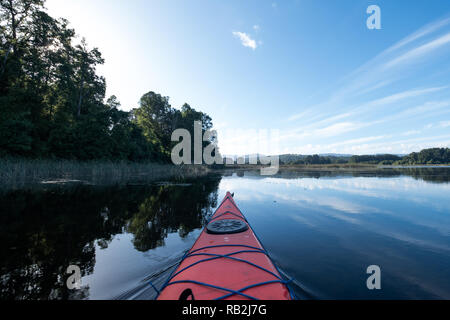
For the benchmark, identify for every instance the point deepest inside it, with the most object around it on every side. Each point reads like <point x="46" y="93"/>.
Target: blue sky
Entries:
<point x="309" y="73"/>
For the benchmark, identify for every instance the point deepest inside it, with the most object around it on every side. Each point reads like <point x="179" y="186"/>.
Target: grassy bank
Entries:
<point x="17" y="173"/>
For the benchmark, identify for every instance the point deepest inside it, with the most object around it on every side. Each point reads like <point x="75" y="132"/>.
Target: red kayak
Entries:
<point x="227" y="262"/>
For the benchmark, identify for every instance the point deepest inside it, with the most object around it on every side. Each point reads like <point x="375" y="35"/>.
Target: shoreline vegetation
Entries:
<point x="23" y="173"/>
<point x="431" y="156"/>
<point x="332" y="167"/>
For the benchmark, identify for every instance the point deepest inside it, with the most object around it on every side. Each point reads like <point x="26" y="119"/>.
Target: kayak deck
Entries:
<point x="227" y="262"/>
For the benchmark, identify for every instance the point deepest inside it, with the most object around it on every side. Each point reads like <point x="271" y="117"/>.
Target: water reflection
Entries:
<point x="428" y="174"/>
<point x="44" y="231"/>
<point x="324" y="228"/>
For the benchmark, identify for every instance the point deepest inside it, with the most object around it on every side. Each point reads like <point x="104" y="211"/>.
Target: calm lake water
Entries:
<point x="322" y="228"/>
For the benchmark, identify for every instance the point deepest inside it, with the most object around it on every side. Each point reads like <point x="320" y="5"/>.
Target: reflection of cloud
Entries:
<point x="340" y="197"/>
<point x="303" y="220"/>
<point x="395" y="234"/>
<point x="330" y="202"/>
<point x="328" y="212"/>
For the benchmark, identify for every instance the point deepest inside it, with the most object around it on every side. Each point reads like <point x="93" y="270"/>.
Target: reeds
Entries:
<point x="17" y="173"/>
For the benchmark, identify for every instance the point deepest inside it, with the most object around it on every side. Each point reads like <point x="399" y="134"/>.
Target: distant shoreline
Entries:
<point x="24" y="172"/>
<point x="336" y="167"/>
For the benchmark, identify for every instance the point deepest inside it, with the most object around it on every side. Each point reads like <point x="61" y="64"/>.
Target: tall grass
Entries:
<point x="16" y="173"/>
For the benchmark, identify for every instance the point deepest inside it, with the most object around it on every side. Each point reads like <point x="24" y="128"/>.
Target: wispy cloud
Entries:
<point x="444" y="124"/>
<point x="246" y="40"/>
<point x="389" y="66"/>
<point x="379" y="95"/>
<point x="411" y="132"/>
<point x="419" y="52"/>
<point x="336" y="129"/>
<point x="403" y="95"/>
<point x="436" y="25"/>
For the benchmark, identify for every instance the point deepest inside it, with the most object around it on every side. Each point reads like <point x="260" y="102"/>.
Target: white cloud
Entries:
<point x="246" y="40"/>
<point x="256" y="27"/>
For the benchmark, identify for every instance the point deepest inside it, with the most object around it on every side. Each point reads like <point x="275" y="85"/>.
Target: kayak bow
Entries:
<point x="227" y="262"/>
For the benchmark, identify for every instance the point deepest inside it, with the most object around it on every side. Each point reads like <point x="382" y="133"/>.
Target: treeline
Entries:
<point x="426" y="156"/>
<point x="375" y="159"/>
<point x="311" y="159"/>
<point x="52" y="101"/>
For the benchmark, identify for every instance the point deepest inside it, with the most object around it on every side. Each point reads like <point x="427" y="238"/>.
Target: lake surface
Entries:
<point x="322" y="228"/>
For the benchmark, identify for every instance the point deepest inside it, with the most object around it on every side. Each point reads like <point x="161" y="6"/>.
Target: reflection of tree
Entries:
<point x="171" y="209"/>
<point x="43" y="232"/>
<point x="438" y="175"/>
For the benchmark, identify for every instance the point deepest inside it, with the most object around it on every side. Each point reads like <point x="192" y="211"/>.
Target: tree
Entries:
<point x="427" y="156"/>
<point x="157" y="120"/>
<point x="52" y="99"/>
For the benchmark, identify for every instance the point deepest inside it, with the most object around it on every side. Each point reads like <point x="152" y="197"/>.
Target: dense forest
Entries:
<point x="375" y="159"/>
<point x="294" y="159"/>
<point x="427" y="156"/>
<point x="53" y="104"/>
